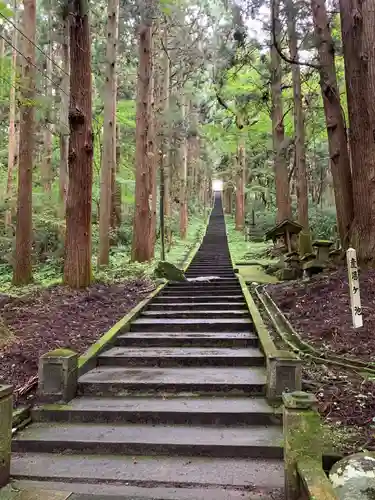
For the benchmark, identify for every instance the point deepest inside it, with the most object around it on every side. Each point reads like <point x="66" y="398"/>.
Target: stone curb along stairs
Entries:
<point x="174" y="409"/>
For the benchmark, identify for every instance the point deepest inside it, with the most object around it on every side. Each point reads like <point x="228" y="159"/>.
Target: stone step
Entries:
<point x="212" y="265"/>
<point x="185" y="339"/>
<point x="223" y="266"/>
<point x="181" y="356"/>
<point x="215" y="267"/>
<point x="158" y="440"/>
<point x="194" y="324"/>
<point x="105" y="380"/>
<point x="155" y="472"/>
<point x="211" y="270"/>
<point x="104" y="491"/>
<point x="203" y="306"/>
<point x="195" y="299"/>
<point x="167" y="411"/>
<point x="196" y="313"/>
<point x="208" y="272"/>
<point x="199" y="285"/>
<point x="221" y="291"/>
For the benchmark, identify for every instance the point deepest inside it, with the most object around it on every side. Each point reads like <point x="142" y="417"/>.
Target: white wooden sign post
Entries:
<point x="355" y="297"/>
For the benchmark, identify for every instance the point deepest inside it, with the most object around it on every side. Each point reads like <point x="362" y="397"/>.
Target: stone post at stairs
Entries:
<point x="6" y="412"/>
<point x="284" y="373"/>
<point x="58" y="375"/>
<point x="302" y="435"/>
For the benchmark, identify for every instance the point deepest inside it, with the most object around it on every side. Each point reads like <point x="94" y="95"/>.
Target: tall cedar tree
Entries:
<point x="183" y="173"/>
<point x="116" y="186"/>
<point x="22" y="272"/>
<point x="77" y="268"/>
<point x="64" y="112"/>
<point x="240" y="187"/>
<point x="12" y="133"/>
<point x="46" y="164"/>
<point x="335" y="122"/>
<point x="299" y="122"/>
<point x="108" y="167"/>
<point x="358" y="36"/>
<point x="283" y="204"/>
<point x="165" y="169"/>
<point x="142" y="239"/>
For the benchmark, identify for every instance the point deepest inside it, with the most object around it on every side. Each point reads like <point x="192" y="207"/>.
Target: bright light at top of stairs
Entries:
<point x="217" y="185"/>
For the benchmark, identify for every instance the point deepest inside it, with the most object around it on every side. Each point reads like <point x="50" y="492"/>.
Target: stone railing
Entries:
<point x="6" y="412"/>
<point x="304" y="441"/>
<point x="283" y="367"/>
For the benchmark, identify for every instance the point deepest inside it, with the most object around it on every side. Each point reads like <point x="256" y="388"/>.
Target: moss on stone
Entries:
<point x="57" y="407"/>
<point x="266" y="341"/>
<point x="59" y="353"/>
<point x="305" y="243"/>
<point x="322" y="243"/>
<point x="169" y="271"/>
<point x="120" y="326"/>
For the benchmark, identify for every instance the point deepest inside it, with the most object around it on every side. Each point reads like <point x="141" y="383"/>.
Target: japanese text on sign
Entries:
<point x="355" y="297"/>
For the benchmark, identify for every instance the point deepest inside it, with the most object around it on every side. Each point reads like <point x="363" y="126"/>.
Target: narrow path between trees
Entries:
<point x="175" y="410"/>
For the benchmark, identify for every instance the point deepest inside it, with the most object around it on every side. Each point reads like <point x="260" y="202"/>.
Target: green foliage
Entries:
<point x="323" y="222"/>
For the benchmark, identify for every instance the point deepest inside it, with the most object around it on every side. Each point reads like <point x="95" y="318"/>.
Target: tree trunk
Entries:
<point x="142" y="245"/>
<point x="165" y="162"/>
<point x="228" y="189"/>
<point x="157" y="126"/>
<point x="240" y="189"/>
<point x="77" y="268"/>
<point x="183" y="177"/>
<point x="116" y="186"/>
<point x="299" y="122"/>
<point x="109" y="134"/>
<point x="22" y="272"/>
<point x="193" y="152"/>
<point x="283" y="204"/>
<point x="165" y="204"/>
<point x="64" y="115"/>
<point x="46" y="164"/>
<point x="12" y="134"/>
<point x="335" y="122"/>
<point x="358" y="32"/>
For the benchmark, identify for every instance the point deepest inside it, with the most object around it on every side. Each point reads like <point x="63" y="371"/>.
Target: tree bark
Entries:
<point x="358" y="31"/>
<point x="156" y="127"/>
<point x="22" y="271"/>
<point x="12" y="134"/>
<point x="336" y="130"/>
<point x="116" y="186"/>
<point x="228" y="190"/>
<point x="165" y="204"/>
<point x="283" y="204"/>
<point x="142" y="245"/>
<point x="77" y="267"/>
<point x="299" y="122"/>
<point x="165" y="161"/>
<point x="64" y="115"/>
<point x="240" y="189"/>
<point x="109" y="134"/>
<point x="46" y="164"/>
<point x="183" y="175"/>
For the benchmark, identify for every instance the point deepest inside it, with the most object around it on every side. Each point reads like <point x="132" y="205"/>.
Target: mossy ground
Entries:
<point x="254" y="254"/>
<point x="119" y="269"/>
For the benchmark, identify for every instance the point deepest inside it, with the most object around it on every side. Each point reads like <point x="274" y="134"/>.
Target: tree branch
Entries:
<point x="278" y="49"/>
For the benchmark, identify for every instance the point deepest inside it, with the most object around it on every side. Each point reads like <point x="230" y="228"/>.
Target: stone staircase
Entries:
<point x="174" y="410"/>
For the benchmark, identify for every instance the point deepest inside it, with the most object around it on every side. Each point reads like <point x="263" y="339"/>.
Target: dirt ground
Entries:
<point x="59" y="317"/>
<point x="319" y="311"/>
